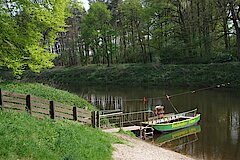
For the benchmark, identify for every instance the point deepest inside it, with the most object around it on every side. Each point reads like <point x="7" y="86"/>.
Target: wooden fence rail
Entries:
<point x="42" y="108"/>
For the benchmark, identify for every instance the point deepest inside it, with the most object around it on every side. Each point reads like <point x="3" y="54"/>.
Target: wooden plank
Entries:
<point x="80" y="114"/>
<point x="12" y="94"/>
<point x="16" y="100"/>
<point x="84" y="120"/>
<point x="84" y="111"/>
<point x="112" y="114"/>
<point x="39" y="115"/>
<point x="60" y="105"/>
<point x="16" y="106"/>
<point x="129" y="128"/>
<point x="13" y="110"/>
<point x="40" y="110"/>
<point x="64" y="115"/>
<point x="40" y="105"/>
<point x="110" y="111"/>
<point x="63" y="110"/>
<point x="38" y="99"/>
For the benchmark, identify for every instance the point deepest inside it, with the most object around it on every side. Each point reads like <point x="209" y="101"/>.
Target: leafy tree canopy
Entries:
<point x="28" y="28"/>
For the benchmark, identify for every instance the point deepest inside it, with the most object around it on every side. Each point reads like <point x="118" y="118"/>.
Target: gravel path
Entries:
<point x="136" y="149"/>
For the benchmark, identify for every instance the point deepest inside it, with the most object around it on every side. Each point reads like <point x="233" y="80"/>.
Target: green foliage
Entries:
<point x="28" y="29"/>
<point x="45" y="92"/>
<point x="147" y="74"/>
<point x="24" y="137"/>
<point x="96" y="31"/>
<point x="129" y="133"/>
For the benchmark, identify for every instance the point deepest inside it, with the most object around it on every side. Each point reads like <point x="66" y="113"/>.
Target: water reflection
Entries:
<point x="182" y="141"/>
<point x="105" y="102"/>
<point x="179" y="138"/>
<point x="234" y="127"/>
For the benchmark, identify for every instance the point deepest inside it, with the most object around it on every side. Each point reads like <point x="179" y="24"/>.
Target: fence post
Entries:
<point x="28" y="104"/>
<point x="98" y="119"/>
<point x="1" y="100"/>
<point x="51" y="111"/>
<point x="93" y="117"/>
<point x="121" y="121"/>
<point x="144" y="116"/>
<point x="75" y="113"/>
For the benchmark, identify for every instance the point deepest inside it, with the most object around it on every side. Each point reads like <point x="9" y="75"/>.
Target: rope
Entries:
<point x="170" y="96"/>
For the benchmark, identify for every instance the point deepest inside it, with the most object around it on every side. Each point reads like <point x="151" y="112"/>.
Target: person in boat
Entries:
<point x="158" y="111"/>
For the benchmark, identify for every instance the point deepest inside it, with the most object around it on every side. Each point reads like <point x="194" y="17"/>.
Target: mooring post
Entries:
<point x="141" y="135"/>
<point x="28" y="104"/>
<point x="93" y="117"/>
<point x="51" y="111"/>
<point x="144" y="133"/>
<point x="121" y="121"/>
<point x="75" y="113"/>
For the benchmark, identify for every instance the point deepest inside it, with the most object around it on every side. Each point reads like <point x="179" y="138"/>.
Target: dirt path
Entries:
<point x="136" y="149"/>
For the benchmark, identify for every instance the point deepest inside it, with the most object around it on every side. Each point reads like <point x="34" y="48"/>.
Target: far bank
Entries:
<point x="193" y="75"/>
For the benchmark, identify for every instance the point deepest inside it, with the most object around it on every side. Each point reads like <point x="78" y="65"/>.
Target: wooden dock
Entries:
<point x="129" y="128"/>
<point x="143" y="132"/>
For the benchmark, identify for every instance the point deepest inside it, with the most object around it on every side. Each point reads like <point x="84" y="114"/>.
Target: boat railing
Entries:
<point x="169" y="118"/>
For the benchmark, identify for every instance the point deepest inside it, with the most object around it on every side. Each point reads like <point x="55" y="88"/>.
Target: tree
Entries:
<point x="131" y="27"/>
<point x="28" y="29"/>
<point x="69" y="44"/>
<point x="234" y="7"/>
<point x="96" y="32"/>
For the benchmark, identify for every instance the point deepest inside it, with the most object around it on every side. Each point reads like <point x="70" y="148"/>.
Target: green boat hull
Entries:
<point x="166" y="127"/>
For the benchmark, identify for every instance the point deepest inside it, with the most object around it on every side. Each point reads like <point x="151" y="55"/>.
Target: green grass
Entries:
<point x="45" y="92"/>
<point x="24" y="137"/>
<point x="129" y="133"/>
<point x="143" y="74"/>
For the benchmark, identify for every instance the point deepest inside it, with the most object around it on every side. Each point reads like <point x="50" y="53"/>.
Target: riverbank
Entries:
<point x="25" y="137"/>
<point x="136" y="149"/>
<point x="196" y="75"/>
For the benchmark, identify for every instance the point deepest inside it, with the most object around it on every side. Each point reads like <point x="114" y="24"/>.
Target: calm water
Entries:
<point x="217" y="136"/>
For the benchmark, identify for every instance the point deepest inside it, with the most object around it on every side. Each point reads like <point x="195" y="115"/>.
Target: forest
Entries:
<point x="38" y="34"/>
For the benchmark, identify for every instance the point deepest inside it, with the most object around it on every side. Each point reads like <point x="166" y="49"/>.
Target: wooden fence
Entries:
<point x="41" y="108"/>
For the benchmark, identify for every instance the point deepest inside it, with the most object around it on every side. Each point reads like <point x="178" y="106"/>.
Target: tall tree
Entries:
<point x="96" y="31"/>
<point x="234" y="7"/>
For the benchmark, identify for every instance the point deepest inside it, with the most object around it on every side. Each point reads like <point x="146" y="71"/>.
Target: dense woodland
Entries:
<point x="35" y="32"/>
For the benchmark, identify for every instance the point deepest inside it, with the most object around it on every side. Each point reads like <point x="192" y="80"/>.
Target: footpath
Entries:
<point x="136" y="149"/>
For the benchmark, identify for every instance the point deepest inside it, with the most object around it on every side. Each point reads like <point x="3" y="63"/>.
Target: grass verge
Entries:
<point x="143" y="74"/>
<point x="24" y="137"/>
<point x="45" y="92"/>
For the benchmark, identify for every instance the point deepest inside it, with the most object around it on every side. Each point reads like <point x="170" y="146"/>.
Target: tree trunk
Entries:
<point x="236" y="26"/>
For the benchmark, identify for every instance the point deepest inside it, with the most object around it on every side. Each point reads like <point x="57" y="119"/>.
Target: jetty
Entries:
<point x="124" y="121"/>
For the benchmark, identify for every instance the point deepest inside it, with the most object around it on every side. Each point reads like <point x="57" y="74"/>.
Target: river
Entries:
<point x="216" y="137"/>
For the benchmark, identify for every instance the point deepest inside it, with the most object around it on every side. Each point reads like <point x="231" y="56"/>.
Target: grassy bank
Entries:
<point x="45" y="92"/>
<point x="24" y="137"/>
<point x="144" y="74"/>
